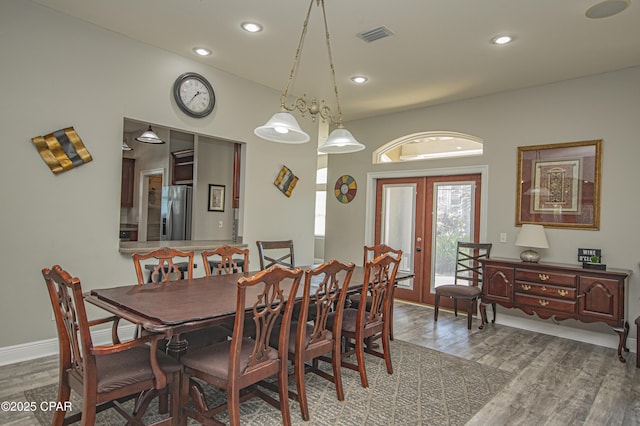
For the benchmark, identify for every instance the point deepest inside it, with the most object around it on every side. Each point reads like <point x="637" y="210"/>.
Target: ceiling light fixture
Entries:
<point x="125" y="146"/>
<point x="251" y="27"/>
<point x="505" y="39"/>
<point x="606" y="8"/>
<point x="359" y="79"/>
<point x="149" y="136"/>
<point x="202" y="51"/>
<point x="284" y="128"/>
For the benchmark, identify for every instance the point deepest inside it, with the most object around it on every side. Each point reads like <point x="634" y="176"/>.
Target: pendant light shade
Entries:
<point x="149" y="136"/>
<point x="283" y="128"/>
<point x="340" y="141"/>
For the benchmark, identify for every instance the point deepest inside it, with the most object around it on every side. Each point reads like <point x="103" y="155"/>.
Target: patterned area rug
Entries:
<point x="427" y="387"/>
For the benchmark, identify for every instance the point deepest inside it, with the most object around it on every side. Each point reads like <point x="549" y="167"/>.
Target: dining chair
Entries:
<point x="223" y="261"/>
<point x="468" y="269"/>
<point x="166" y="269"/>
<point x="325" y="292"/>
<point x="236" y="365"/>
<point x="370" y="253"/>
<point x="364" y="325"/>
<point x="282" y="249"/>
<point x="105" y="376"/>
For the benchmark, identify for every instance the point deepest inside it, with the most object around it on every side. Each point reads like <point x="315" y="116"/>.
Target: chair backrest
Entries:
<point x="325" y="291"/>
<point x="226" y="264"/>
<point x="371" y="252"/>
<point x="283" y="249"/>
<point x="166" y="269"/>
<point x="70" y="315"/>
<point x="379" y="279"/>
<point x="272" y="304"/>
<point x="468" y="268"/>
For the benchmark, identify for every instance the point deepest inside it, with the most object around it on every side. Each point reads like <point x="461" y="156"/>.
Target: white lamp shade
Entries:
<point x="532" y="236"/>
<point x="283" y="128"/>
<point x="149" y="136"/>
<point x="340" y="141"/>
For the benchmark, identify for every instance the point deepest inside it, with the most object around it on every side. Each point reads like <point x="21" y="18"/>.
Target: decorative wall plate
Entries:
<point x="346" y="189"/>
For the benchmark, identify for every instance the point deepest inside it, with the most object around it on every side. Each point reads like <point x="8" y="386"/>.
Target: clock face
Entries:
<point x="194" y="95"/>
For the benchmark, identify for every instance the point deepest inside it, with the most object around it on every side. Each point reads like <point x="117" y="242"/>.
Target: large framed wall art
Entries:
<point x="559" y="185"/>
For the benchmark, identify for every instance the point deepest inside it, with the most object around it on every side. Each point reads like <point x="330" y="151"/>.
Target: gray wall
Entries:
<point x="603" y="107"/>
<point x="57" y="72"/>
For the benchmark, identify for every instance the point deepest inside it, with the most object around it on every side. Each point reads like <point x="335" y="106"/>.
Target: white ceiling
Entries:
<point x="440" y="50"/>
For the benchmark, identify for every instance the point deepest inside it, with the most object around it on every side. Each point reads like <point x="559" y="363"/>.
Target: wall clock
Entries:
<point x="194" y="95"/>
<point x="345" y="189"/>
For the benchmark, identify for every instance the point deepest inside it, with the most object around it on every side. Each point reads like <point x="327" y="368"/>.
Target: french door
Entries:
<point x="425" y="217"/>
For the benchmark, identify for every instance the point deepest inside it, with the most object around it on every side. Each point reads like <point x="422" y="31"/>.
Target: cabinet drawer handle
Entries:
<point x="543" y="288"/>
<point x="563" y="292"/>
<point x="526" y="287"/>
<point x="543" y="302"/>
<point x="543" y="277"/>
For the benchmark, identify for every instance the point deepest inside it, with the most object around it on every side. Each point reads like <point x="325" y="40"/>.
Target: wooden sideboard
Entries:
<point x="557" y="291"/>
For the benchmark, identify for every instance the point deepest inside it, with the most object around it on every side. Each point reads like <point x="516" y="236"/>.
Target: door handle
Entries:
<point x="418" y="248"/>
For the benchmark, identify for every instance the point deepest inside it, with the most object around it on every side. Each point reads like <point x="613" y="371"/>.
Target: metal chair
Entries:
<point x="283" y="249"/>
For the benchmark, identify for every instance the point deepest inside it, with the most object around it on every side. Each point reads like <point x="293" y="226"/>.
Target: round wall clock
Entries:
<point x="194" y="95"/>
<point x="345" y="189"/>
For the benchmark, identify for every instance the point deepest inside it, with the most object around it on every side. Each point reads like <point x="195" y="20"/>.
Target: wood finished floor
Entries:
<point x="558" y="381"/>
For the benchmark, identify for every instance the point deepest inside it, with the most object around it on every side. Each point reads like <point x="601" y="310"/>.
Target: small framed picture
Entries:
<point x="216" y="198"/>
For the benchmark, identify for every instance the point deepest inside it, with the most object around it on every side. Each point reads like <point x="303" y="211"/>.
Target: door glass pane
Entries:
<point x="398" y="224"/>
<point x="453" y="222"/>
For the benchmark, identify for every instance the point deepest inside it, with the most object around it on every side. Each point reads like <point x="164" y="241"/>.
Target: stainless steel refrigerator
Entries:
<point x="175" y="213"/>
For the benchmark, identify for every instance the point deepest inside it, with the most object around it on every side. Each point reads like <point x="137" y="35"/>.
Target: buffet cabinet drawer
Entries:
<point x="546" y="290"/>
<point x="546" y="277"/>
<point x="557" y="305"/>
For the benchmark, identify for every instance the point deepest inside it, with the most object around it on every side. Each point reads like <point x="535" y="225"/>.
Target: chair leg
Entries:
<point x="387" y="352"/>
<point x="436" y="308"/>
<point x="493" y="306"/>
<point x="360" y="357"/>
<point x="283" y="391"/>
<point x="301" y="388"/>
<point x="233" y="407"/>
<point x="469" y="314"/>
<point x="455" y="306"/>
<point x="64" y="391"/>
<point x="89" y="409"/>
<point x="337" y="370"/>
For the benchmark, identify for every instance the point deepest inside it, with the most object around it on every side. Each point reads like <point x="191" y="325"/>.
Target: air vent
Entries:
<point x="375" y="34"/>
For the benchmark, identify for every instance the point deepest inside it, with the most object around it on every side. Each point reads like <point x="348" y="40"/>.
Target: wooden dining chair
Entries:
<point x="167" y="267"/>
<point x="236" y="365"/>
<point x="105" y="376"/>
<point x="370" y="253"/>
<point x="467" y="279"/>
<point x="268" y="250"/>
<point x="362" y="325"/>
<point x="325" y="293"/>
<point x="223" y="261"/>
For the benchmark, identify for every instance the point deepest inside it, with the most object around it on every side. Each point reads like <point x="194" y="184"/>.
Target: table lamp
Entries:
<point x="531" y="236"/>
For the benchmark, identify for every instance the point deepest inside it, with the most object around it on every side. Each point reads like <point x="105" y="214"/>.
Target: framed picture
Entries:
<point x="216" y="198"/>
<point x="559" y="185"/>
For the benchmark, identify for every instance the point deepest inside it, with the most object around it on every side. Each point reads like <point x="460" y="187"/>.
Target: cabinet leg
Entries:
<point x="623" y="332"/>
<point x="483" y="315"/>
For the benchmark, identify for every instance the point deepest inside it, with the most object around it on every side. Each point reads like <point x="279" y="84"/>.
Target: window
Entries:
<point x="321" y="196"/>
<point x="427" y="146"/>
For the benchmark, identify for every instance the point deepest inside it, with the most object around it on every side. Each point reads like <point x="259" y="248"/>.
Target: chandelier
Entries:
<point x="284" y="128"/>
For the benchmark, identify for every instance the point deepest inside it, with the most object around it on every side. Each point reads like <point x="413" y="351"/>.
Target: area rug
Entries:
<point x="427" y="387"/>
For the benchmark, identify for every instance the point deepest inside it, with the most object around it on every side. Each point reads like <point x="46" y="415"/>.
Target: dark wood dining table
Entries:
<point x="175" y="307"/>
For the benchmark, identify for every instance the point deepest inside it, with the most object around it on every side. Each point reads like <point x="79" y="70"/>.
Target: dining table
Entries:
<point x="175" y="307"/>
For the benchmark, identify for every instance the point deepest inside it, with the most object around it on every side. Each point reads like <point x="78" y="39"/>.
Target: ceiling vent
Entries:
<point x="375" y="34"/>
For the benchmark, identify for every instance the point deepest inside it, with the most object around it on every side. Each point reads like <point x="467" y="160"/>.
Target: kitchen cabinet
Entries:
<point x="127" y="182"/>
<point x="557" y="291"/>
<point x="182" y="167"/>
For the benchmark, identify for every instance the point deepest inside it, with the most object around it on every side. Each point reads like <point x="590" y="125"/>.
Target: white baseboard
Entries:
<point x="42" y="348"/>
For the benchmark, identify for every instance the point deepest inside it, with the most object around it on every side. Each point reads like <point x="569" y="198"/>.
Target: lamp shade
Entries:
<point x="283" y="128"/>
<point x="149" y="136"/>
<point x="532" y="236"/>
<point x="340" y="141"/>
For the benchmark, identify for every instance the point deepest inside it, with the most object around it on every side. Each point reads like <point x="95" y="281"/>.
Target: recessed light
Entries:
<point x="359" y="79"/>
<point x="202" y="51"/>
<point x="606" y="8"/>
<point x="251" y="27"/>
<point x="504" y="39"/>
